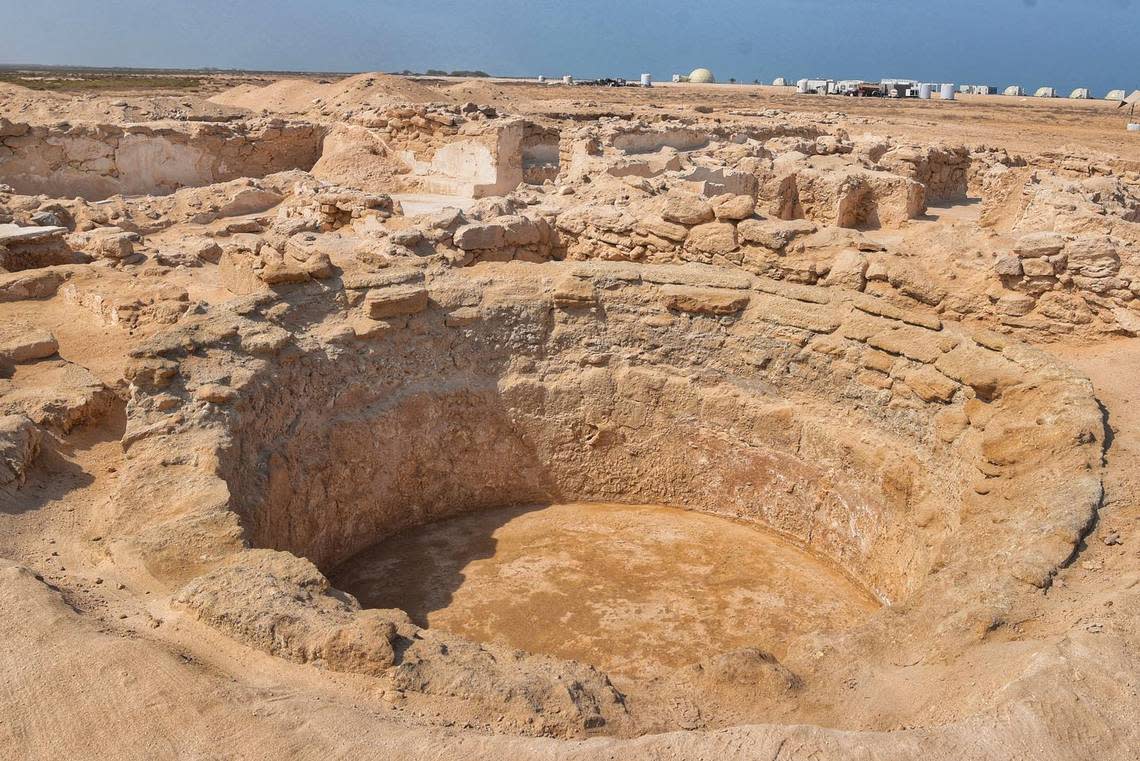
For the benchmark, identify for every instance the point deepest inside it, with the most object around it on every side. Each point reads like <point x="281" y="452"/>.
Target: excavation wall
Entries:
<point x="509" y="409"/>
<point x="98" y="161"/>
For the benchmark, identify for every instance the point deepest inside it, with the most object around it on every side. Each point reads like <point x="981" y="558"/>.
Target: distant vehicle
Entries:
<point x="899" y="88"/>
<point x="863" y="90"/>
<point x="605" y="82"/>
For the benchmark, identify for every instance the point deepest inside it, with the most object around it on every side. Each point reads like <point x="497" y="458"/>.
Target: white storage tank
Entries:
<point x="646" y="80"/>
<point x="949" y="92"/>
<point x="925" y="91"/>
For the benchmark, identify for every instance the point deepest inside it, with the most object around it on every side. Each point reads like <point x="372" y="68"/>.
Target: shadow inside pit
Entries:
<point x="60" y="468"/>
<point x="419" y="571"/>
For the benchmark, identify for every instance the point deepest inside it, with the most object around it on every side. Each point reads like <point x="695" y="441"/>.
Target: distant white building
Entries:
<point x="1081" y="93"/>
<point x="1014" y="91"/>
<point x="1045" y="92"/>
<point x="818" y="86"/>
<point x="779" y="82"/>
<point x="1117" y="95"/>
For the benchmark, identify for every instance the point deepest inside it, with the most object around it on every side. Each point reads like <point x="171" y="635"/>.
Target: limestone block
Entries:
<point x="395" y="301"/>
<point x="713" y="238"/>
<point x="704" y="301"/>
<point x="21" y="342"/>
<point x="687" y="209"/>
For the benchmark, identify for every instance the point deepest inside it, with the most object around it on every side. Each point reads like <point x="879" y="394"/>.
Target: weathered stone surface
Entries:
<point x="881" y="308"/>
<point x="33" y="284"/>
<point x="574" y="292"/>
<point x="848" y="270"/>
<point x="105" y="243"/>
<point x="687" y="209"/>
<point x="914" y="343"/>
<point x="774" y="234"/>
<point x="395" y="301"/>
<point x="704" y="301"/>
<point x="782" y="311"/>
<point x="984" y="371"/>
<point x="1037" y="267"/>
<point x="930" y="385"/>
<point x="518" y="231"/>
<point x="1092" y="257"/>
<point x="713" y="238"/>
<point x="667" y="230"/>
<point x="19" y="445"/>
<point x="10" y="233"/>
<point x="363" y="281"/>
<point x="915" y="283"/>
<point x="1016" y="304"/>
<point x="21" y="342"/>
<point x="1037" y="245"/>
<point x="1008" y="266"/>
<point x="480" y="236"/>
<point x="733" y="208"/>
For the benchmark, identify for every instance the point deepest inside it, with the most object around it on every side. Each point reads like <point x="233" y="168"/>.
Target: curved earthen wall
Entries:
<point x="358" y="450"/>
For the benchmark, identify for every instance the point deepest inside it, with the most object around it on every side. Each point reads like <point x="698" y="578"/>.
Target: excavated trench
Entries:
<point x="351" y="470"/>
<point x="513" y="486"/>
<point x="498" y="481"/>
<point x="97" y="161"/>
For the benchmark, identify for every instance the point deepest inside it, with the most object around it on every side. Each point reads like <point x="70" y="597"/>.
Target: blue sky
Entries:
<point x="1089" y="43"/>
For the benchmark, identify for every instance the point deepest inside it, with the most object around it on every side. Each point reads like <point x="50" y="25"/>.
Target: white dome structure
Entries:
<point x="702" y="77"/>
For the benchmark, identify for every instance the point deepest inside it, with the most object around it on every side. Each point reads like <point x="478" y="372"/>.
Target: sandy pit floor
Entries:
<point x="625" y="588"/>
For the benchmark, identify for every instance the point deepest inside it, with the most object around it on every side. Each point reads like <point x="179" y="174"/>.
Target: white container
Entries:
<point x="1134" y="127"/>
<point x="646" y="80"/>
<point x="925" y="91"/>
<point x="567" y="79"/>
<point x="802" y="86"/>
<point x="949" y="92"/>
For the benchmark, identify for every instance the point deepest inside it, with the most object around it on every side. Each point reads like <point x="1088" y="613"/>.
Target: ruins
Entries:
<point x="446" y="419"/>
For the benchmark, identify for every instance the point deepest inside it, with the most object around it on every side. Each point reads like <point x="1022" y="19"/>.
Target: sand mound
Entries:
<point x="302" y="96"/>
<point x="478" y="92"/>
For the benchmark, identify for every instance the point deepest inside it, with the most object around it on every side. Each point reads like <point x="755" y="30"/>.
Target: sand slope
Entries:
<point x="300" y="96"/>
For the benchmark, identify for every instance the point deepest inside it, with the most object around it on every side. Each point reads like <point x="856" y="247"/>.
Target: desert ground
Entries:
<point x="429" y="418"/>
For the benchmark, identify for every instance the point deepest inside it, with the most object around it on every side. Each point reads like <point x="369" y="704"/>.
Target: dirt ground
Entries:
<point x="606" y="574"/>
